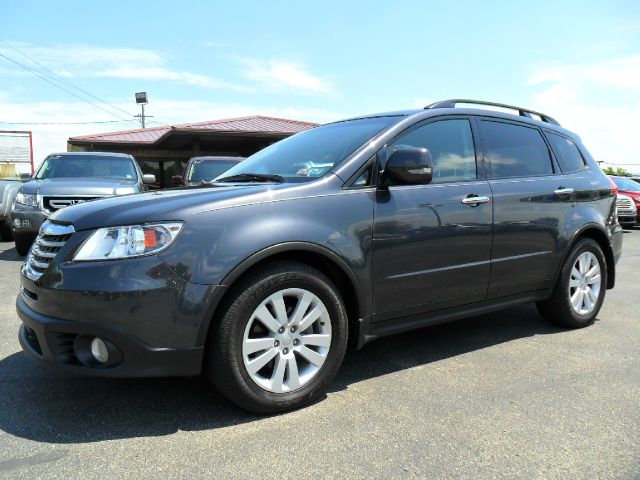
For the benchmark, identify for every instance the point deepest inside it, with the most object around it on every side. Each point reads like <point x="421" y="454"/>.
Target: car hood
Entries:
<point x="629" y="193"/>
<point x="164" y="205"/>
<point x="80" y="186"/>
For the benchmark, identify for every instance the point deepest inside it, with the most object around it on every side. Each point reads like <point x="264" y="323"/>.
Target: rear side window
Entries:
<point x="566" y="152"/>
<point x="450" y="143"/>
<point x="515" y="151"/>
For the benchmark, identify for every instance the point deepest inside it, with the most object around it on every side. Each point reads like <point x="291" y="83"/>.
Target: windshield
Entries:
<point x="74" y="166"/>
<point x="207" y="170"/>
<point x="309" y="155"/>
<point x="626" y="184"/>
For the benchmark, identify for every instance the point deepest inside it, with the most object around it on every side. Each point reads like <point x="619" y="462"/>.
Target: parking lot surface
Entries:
<point x="502" y="395"/>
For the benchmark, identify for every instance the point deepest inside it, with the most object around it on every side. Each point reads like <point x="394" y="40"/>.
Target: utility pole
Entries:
<point x="141" y="99"/>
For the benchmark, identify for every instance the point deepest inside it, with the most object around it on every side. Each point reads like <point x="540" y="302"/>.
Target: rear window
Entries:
<point x="515" y="150"/>
<point x="566" y="152"/>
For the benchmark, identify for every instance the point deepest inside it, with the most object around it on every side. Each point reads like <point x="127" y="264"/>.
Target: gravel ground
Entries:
<point x="495" y="396"/>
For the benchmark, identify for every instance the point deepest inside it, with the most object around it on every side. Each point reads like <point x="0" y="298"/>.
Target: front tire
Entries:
<point x="280" y="339"/>
<point x="23" y="243"/>
<point x="580" y="289"/>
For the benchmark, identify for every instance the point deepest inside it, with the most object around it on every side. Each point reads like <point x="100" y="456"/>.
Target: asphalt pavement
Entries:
<point x="503" y="395"/>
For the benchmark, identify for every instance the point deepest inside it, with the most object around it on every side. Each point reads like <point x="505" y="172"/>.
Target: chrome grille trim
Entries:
<point x="53" y="203"/>
<point x="46" y="243"/>
<point x="51" y="239"/>
<point x="49" y="228"/>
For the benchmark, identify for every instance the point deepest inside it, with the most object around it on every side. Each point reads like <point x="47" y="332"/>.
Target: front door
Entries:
<point x="432" y="243"/>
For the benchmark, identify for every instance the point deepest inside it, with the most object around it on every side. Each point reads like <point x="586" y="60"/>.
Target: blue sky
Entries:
<point x="320" y="61"/>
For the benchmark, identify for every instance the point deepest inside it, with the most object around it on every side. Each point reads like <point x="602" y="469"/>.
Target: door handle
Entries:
<point x="563" y="191"/>
<point x="474" y="200"/>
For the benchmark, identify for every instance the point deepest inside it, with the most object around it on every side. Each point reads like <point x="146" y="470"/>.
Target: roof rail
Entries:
<point x="523" y="112"/>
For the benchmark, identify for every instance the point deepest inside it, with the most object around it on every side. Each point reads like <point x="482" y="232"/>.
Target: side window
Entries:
<point x="365" y="178"/>
<point x="515" y="151"/>
<point x="566" y="152"/>
<point x="450" y="143"/>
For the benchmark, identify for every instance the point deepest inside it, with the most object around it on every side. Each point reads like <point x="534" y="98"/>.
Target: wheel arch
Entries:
<point x="597" y="233"/>
<point x="307" y="253"/>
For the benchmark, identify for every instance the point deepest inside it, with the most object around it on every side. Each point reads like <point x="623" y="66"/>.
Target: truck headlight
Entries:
<point x="128" y="241"/>
<point x="28" y="199"/>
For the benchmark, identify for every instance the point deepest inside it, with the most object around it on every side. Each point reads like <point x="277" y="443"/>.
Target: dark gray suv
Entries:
<point x="335" y="236"/>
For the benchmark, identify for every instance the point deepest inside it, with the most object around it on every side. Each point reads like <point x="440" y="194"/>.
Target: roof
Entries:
<point x="256" y="124"/>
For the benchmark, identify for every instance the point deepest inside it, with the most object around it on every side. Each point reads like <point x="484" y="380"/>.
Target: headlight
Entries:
<point x="129" y="241"/>
<point x="29" y="199"/>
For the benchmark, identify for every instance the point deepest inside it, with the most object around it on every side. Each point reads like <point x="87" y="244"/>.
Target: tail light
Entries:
<point x="614" y="188"/>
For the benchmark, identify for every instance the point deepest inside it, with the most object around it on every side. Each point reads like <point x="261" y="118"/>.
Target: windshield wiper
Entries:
<point x="252" y="177"/>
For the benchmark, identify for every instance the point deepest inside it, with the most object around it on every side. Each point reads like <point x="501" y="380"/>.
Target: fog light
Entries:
<point x="26" y="223"/>
<point x="16" y="222"/>
<point x="99" y="350"/>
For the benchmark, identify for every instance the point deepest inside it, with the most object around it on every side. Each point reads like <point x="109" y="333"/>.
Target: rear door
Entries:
<point x="531" y="204"/>
<point x="430" y="249"/>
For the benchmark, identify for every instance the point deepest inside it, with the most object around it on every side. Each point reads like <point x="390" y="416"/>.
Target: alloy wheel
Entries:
<point x="585" y="283"/>
<point x="286" y="340"/>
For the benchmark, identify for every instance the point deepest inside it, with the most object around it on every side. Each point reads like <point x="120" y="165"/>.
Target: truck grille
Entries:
<point x="52" y="204"/>
<point x="624" y="202"/>
<point x="50" y="241"/>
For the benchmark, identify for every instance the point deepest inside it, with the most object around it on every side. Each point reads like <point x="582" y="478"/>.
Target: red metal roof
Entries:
<point x="253" y="124"/>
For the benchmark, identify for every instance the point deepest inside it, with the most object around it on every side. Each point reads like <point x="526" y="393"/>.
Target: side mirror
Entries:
<point x="408" y="166"/>
<point x="25" y="177"/>
<point x="176" y="179"/>
<point x="148" y="179"/>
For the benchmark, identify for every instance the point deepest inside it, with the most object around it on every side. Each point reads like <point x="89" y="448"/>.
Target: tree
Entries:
<point x="618" y="171"/>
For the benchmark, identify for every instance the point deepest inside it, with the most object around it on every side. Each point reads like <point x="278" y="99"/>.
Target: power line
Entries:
<point x="63" y="80"/>
<point x="64" y="123"/>
<point x="25" y="67"/>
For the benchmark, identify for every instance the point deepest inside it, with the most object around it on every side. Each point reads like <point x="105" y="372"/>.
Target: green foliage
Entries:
<point x="618" y="171"/>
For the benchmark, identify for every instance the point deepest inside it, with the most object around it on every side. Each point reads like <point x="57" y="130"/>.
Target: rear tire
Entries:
<point x="580" y="289"/>
<point x="279" y="340"/>
<point x="23" y="243"/>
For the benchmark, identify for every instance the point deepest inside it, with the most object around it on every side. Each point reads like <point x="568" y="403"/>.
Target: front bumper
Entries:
<point x="29" y="220"/>
<point x="66" y="345"/>
<point x="153" y="321"/>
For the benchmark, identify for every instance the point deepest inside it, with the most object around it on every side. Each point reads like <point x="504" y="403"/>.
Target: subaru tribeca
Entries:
<point x="335" y="236"/>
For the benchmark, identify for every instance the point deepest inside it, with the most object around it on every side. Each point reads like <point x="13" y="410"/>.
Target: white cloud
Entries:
<point x="599" y="101"/>
<point x="128" y="63"/>
<point x="285" y="76"/>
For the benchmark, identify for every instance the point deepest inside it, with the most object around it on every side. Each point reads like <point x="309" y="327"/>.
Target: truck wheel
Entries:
<point x="5" y="232"/>
<point x="580" y="289"/>
<point x="280" y="339"/>
<point x="23" y="243"/>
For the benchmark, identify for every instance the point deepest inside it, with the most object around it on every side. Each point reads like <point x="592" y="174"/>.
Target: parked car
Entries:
<point x="635" y="179"/>
<point x="263" y="278"/>
<point x="9" y="187"/>
<point x="200" y="170"/>
<point x="626" y="209"/>
<point x="66" y="179"/>
<point x="626" y="186"/>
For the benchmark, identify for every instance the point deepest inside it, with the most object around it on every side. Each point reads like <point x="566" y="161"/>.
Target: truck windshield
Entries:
<point x="309" y="155"/>
<point x="207" y="170"/>
<point x="75" y="166"/>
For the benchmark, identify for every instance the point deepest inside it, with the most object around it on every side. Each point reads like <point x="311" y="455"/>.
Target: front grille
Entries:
<point x="51" y="239"/>
<point x="56" y="203"/>
<point x="625" y="202"/>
